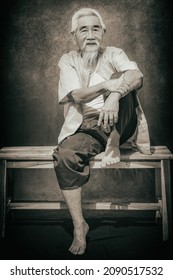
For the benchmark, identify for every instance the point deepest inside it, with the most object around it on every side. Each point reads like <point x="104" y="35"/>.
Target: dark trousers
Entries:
<point x="71" y="158"/>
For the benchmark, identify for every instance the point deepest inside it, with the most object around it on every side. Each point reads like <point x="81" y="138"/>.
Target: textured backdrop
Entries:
<point x="34" y="35"/>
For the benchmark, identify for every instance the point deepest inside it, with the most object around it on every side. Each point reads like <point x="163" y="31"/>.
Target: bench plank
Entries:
<point x="93" y="165"/>
<point x="45" y="153"/>
<point x="126" y="165"/>
<point x="94" y="206"/>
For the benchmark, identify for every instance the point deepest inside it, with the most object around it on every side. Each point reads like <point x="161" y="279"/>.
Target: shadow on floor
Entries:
<point x="109" y="238"/>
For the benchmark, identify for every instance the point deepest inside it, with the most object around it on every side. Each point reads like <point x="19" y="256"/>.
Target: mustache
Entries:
<point x="91" y="42"/>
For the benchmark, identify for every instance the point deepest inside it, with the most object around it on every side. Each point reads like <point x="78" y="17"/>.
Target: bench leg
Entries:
<point x="3" y="173"/>
<point x="157" y="191"/>
<point x="166" y="199"/>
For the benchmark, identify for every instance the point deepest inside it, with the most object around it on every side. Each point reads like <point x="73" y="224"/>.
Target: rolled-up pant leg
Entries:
<point x="71" y="159"/>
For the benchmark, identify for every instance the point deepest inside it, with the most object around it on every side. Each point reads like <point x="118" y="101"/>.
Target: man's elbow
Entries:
<point x="77" y="98"/>
<point x="136" y="74"/>
<point x="140" y="83"/>
<point x="139" y="80"/>
<point x="134" y="78"/>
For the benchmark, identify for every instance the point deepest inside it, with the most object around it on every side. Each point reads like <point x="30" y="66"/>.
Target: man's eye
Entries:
<point x="83" y="30"/>
<point x="97" y="30"/>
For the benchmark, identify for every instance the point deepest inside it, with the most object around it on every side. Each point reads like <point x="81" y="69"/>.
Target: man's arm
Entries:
<point x="87" y="94"/>
<point x="109" y="112"/>
<point x="132" y="80"/>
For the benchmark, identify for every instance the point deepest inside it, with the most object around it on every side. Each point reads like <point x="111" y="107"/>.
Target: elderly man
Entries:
<point x="97" y="87"/>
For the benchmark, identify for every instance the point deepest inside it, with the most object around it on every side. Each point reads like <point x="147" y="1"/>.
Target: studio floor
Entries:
<point x="48" y="236"/>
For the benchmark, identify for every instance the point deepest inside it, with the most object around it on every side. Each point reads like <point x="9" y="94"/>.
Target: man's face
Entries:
<point x="89" y="33"/>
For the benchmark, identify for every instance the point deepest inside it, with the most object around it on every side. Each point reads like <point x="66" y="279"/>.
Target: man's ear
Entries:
<point x="74" y="38"/>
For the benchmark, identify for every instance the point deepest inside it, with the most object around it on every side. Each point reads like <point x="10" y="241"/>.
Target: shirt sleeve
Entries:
<point x="121" y="61"/>
<point x="69" y="79"/>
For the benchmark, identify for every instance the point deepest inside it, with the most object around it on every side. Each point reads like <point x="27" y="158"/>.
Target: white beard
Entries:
<point x="90" y="59"/>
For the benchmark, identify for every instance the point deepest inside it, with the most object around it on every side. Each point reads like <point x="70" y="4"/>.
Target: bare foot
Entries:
<point x="112" y="152"/>
<point x="112" y="156"/>
<point x="78" y="246"/>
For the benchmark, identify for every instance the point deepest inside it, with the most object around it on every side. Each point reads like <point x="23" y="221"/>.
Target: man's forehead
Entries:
<point x="88" y="21"/>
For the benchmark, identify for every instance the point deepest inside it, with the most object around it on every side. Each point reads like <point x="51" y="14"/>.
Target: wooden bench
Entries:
<point x="41" y="157"/>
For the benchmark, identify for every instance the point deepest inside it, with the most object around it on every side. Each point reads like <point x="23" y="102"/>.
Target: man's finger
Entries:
<point x="101" y="115"/>
<point x="115" y="118"/>
<point x="105" y="122"/>
<point x="111" y="119"/>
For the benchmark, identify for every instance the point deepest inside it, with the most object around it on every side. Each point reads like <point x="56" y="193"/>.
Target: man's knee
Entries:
<point x="71" y="170"/>
<point x="64" y="158"/>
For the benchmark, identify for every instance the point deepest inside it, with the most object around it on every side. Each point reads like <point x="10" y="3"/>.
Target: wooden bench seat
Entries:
<point x="30" y="157"/>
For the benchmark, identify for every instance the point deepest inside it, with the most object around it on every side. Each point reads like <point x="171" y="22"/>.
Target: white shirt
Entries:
<point x="73" y="76"/>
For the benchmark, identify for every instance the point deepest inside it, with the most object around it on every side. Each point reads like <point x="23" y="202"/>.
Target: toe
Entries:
<point x="81" y="251"/>
<point x="73" y="250"/>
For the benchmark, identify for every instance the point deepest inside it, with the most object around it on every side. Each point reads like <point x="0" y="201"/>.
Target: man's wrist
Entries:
<point x="116" y="95"/>
<point x="104" y="85"/>
<point x="124" y="88"/>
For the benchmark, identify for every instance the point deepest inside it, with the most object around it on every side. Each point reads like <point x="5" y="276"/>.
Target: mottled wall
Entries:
<point x="35" y="33"/>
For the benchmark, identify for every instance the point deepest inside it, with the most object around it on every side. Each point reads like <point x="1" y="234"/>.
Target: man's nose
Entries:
<point x="90" y="35"/>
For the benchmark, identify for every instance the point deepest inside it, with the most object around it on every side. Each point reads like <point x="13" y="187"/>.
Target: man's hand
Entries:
<point x="109" y="112"/>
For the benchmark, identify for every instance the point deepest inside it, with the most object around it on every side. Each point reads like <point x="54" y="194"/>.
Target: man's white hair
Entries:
<point x="85" y="12"/>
